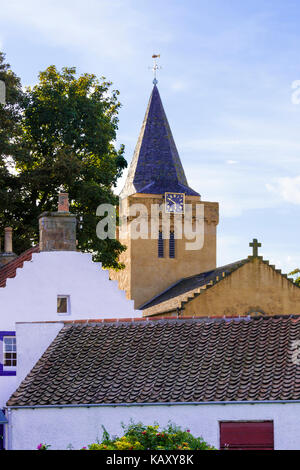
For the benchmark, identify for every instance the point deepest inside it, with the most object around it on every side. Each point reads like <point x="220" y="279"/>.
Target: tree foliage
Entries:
<point x="65" y="132"/>
<point x="10" y="135"/>
<point x="297" y="278"/>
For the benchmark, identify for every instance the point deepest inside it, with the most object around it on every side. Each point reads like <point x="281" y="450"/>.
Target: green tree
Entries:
<point x="297" y="279"/>
<point x="69" y="126"/>
<point x="10" y="135"/>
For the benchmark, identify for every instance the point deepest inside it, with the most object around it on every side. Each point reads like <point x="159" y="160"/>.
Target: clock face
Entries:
<point x="174" y="203"/>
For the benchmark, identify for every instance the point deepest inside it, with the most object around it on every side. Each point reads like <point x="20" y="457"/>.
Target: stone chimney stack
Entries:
<point x="8" y="254"/>
<point x="58" y="229"/>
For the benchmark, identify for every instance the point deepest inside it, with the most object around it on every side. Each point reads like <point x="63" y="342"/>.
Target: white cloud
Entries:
<point x="288" y="188"/>
<point x="102" y="28"/>
<point x="179" y="85"/>
<point x="236" y="189"/>
<point x="230" y="248"/>
<point x="66" y="24"/>
<point x="240" y="145"/>
<point x="284" y="261"/>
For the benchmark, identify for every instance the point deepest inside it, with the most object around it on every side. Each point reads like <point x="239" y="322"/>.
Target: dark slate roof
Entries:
<point x="156" y="167"/>
<point x="187" y="288"/>
<point x="9" y="270"/>
<point x="186" y="360"/>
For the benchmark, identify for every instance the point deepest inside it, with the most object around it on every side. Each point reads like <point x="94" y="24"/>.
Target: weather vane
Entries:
<point x="155" y="67"/>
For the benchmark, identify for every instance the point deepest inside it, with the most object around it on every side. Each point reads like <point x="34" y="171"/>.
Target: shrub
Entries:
<point x="141" y="437"/>
<point x="42" y="446"/>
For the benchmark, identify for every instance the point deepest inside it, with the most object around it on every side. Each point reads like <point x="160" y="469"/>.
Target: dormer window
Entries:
<point x="63" y="304"/>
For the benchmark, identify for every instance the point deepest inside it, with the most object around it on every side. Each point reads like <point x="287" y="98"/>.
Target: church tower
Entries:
<point x="156" y="177"/>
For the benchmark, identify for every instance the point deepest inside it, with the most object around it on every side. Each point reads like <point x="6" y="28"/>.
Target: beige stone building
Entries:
<point x="162" y="275"/>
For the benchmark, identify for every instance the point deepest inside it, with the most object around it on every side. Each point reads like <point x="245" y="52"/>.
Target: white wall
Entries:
<point x="81" y="426"/>
<point x="8" y="385"/>
<point x="32" y="341"/>
<point x="32" y="295"/>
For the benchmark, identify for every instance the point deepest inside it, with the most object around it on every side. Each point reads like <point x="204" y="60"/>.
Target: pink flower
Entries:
<point x="42" y="446"/>
<point x="188" y="430"/>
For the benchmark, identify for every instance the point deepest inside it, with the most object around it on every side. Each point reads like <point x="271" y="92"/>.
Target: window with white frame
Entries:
<point x="9" y="352"/>
<point x="63" y="304"/>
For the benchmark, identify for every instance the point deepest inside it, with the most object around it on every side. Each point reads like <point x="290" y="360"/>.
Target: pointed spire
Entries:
<point x="156" y="167"/>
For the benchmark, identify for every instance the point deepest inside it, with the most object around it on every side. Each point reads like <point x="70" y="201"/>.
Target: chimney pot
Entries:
<point x="63" y="202"/>
<point x="8" y="254"/>
<point x="8" y="240"/>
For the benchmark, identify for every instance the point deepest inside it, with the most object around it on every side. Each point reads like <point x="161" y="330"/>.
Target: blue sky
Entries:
<point x="226" y="84"/>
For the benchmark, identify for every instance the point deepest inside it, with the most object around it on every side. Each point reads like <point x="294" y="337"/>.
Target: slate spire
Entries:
<point x="156" y="167"/>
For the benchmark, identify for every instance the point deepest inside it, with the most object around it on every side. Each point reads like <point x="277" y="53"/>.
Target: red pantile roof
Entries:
<point x="196" y="360"/>
<point x="9" y="270"/>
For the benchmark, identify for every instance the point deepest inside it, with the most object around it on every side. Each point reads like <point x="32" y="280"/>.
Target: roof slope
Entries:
<point x="191" y="360"/>
<point x="156" y="166"/>
<point x="187" y="288"/>
<point x="9" y="270"/>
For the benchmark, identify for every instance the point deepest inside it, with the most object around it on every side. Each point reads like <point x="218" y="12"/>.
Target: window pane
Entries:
<point x="62" y="304"/>
<point x="10" y="359"/>
<point x="160" y="245"/>
<point x="9" y="351"/>
<point x="172" y="245"/>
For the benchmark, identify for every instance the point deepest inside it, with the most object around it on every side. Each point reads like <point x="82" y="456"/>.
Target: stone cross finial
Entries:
<point x="255" y="245"/>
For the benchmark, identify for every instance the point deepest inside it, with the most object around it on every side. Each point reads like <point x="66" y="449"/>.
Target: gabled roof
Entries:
<point x="167" y="361"/>
<point x="9" y="270"/>
<point x="187" y="289"/>
<point x="156" y="167"/>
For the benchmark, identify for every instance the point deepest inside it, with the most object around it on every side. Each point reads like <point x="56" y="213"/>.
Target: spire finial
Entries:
<point x="255" y="245"/>
<point x="155" y="67"/>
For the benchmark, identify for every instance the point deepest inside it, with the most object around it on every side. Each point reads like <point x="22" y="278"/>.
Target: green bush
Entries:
<point x="141" y="437"/>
